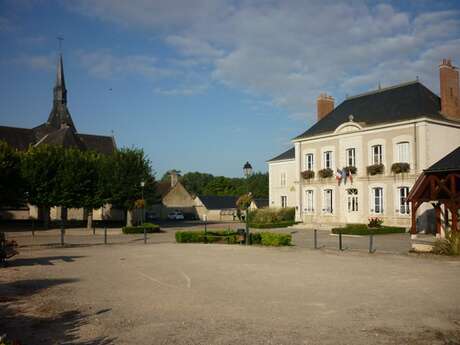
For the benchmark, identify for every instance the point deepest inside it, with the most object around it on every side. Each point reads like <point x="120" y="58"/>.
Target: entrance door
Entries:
<point x="352" y="205"/>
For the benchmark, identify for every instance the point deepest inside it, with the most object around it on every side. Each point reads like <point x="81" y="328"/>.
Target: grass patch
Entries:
<point x="231" y="237"/>
<point x="149" y="227"/>
<point x="362" y="229"/>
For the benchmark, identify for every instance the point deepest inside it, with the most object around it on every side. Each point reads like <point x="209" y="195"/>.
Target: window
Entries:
<point x="352" y="198"/>
<point x="327" y="201"/>
<point x="309" y="201"/>
<point x="327" y="159"/>
<point x="309" y="161"/>
<point x="377" y="154"/>
<point x="377" y="200"/>
<point x="283" y="179"/>
<point x="283" y="201"/>
<point x="351" y="157"/>
<point x="402" y="150"/>
<point x="403" y="203"/>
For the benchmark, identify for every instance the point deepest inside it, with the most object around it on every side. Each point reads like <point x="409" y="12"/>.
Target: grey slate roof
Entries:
<point x="397" y="103"/>
<point x="450" y="162"/>
<point x="261" y="202"/>
<point x="19" y="138"/>
<point x="217" y="202"/>
<point x="100" y="143"/>
<point x="289" y="154"/>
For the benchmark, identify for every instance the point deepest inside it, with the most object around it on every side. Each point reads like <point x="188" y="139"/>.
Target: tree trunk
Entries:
<point x="46" y="217"/>
<point x="129" y="218"/>
<point x="89" y="219"/>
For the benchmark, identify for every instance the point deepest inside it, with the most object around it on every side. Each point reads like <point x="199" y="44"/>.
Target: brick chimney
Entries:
<point x="449" y="86"/>
<point x="324" y="105"/>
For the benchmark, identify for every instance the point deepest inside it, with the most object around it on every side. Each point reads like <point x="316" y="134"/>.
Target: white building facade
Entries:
<point x="374" y="136"/>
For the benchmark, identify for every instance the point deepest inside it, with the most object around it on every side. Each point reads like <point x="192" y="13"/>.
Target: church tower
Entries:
<point x="60" y="115"/>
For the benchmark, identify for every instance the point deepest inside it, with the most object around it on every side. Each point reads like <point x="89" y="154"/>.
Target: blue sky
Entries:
<point x="207" y="85"/>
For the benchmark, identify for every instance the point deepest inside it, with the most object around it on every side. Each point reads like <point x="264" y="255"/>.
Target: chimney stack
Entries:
<point x="449" y="87"/>
<point x="324" y="105"/>
<point x="173" y="175"/>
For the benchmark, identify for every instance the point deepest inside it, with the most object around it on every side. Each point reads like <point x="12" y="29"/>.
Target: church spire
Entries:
<point x="60" y="116"/>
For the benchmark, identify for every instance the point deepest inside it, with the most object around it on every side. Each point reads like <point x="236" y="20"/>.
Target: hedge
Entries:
<point x="230" y="237"/>
<point x="150" y="228"/>
<point x="271" y="215"/>
<point x="282" y="224"/>
<point x="362" y="229"/>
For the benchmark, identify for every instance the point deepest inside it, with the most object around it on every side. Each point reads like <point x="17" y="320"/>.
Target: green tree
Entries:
<point x="128" y="168"/>
<point x="196" y="182"/>
<point x="11" y="182"/>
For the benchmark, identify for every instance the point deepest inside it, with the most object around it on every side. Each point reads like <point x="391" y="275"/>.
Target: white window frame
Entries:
<point x="309" y="201"/>
<point x="377" y="208"/>
<point x="309" y="161"/>
<point x="378" y="154"/>
<point x="403" y="152"/>
<point x="327" y="159"/>
<point x="328" y="201"/>
<point x="283" y="179"/>
<point x="403" y="206"/>
<point x="350" y="156"/>
<point x="283" y="201"/>
<point x="352" y="200"/>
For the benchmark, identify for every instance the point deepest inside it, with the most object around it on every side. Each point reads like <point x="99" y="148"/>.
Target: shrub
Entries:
<point x="308" y="174"/>
<point x="255" y="238"/>
<point x="375" y="169"/>
<point x="150" y="228"/>
<point x="325" y="173"/>
<point x="350" y="169"/>
<point x="449" y="245"/>
<point x="375" y="222"/>
<point x="274" y="239"/>
<point x="398" y="168"/>
<point x="271" y="215"/>
<point x="363" y="230"/>
<point x="274" y="225"/>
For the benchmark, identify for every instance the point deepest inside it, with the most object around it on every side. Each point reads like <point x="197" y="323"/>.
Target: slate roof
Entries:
<point x="289" y="154"/>
<point x="261" y="202"/>
<point x="19" y="138"/>
<point x="449" y="162"/>
<point x="100" y="143"/>
<point x="163" y="188"/>
<point x="397" y="103"/>
<point x="217" y="202"/>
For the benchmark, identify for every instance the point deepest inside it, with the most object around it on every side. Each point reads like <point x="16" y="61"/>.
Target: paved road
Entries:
<point x="166" y="293"/>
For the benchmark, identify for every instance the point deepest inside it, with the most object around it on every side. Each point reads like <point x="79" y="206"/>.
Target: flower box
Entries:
<point x="375" y="169"/>
<point x="398" y="168"/>
<point x="350" y="169"/>
<point x="325" y="173"/>
<point x="308" y="174"/>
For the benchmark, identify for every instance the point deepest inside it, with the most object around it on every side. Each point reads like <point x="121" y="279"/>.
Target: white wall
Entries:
<point x="276" y="190"/>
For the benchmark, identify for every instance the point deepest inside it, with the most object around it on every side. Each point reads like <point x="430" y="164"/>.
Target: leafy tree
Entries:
<point x="196" y="182"/>
<point x="11" y="183"/>
<point x="39" y="168"/>
<point x="128" y="168"/>
<point x="258" y="185"/>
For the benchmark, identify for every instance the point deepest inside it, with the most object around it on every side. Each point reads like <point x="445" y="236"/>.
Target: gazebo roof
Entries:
<point x="450" y="162"/>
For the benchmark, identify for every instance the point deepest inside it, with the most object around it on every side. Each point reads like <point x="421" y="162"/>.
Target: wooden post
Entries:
<point x="437" y="210"/>
<point x="413" y="228"/>
<point x="454" y="211"/>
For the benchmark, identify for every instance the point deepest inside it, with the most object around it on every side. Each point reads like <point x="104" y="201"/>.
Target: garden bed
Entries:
<point x="363" y="230"/>
<point x="231" y="237"/>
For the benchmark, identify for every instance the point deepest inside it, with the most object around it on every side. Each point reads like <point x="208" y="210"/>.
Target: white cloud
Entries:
<point x="290" y="51"/>
<point x="35" y="62"/>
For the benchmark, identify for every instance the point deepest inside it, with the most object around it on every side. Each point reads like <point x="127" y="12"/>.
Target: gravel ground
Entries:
<point x="167" y="293"/>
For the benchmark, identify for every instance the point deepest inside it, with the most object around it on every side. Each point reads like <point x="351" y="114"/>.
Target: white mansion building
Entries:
<point x="378" y="143"/>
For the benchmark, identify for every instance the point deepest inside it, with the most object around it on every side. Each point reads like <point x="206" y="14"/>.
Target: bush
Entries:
<point x="449" y="245"/>
<point x="375" y="222"/>
<point x="363" y="230"/>
<point x="375" y="169"/>
<point x="150" y="228"/>
<point x="274" y="239"/>
<point x="271" y="215"/>
<point x="325" y="173"/>
<point x="274" y="225"/>
<point x="398" y="168"/>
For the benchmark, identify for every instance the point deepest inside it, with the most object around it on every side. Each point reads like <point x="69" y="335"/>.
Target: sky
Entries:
<point x="206" y="85"/>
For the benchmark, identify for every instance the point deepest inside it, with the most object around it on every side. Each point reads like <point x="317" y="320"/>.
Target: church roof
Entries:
<point x="65" y="137"/>
<point x="19" y="138"/>
<point x="397" y="103"/>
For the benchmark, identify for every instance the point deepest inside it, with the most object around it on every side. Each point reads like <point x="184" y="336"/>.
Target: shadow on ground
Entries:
<point x="44" y="261"/>
<point x="28" y="328"/>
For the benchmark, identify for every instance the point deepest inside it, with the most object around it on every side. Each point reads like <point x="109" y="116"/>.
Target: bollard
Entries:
<point x="105" y="235"/>
<point x="316" y="238"/>
<point x="62" y="235"/>
<point x="340" y="241"/>
<point x="94" y="230"/>
<point x="145" y="235"/>
<point x="371" y="244"/>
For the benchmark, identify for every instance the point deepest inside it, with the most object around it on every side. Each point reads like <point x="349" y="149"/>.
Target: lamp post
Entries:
<point x="143" y="208"/>
<point x="247" y="171"/>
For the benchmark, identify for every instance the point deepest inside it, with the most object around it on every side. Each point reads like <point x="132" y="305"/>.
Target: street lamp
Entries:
<point x="143" y="211"/>
<point x="247" y="171"/>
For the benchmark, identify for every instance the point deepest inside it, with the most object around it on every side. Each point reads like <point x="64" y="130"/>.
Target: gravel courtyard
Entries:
<point x="167" y="293"/>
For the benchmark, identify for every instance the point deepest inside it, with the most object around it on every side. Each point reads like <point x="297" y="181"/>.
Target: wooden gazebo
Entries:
<point x="440" y="186"/>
